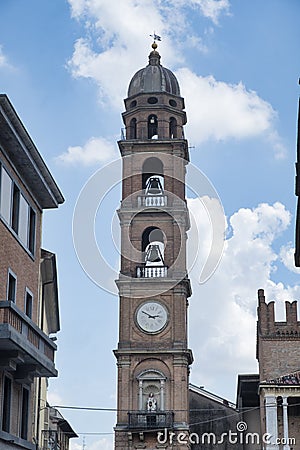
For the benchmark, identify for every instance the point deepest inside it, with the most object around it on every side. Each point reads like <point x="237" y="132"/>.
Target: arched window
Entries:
<point x="152" y="167"/>
<point x="173" y="128"/>
<point x="153" y="245"/>
<point x="152" y="127"/>
<point x="132" y="129"/>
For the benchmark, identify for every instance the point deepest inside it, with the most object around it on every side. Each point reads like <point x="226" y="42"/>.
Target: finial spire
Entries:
<point x="154" y="57"/>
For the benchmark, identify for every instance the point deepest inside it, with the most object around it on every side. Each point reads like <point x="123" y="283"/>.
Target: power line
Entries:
<point x="237" y="412"/>
<point x="94" y="433"/>
<point x="95" y="408"/>
<point x="85" y="408"/>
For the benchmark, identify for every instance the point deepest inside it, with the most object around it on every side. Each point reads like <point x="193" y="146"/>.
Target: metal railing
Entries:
<point x="150" y="420"/>
<point x="151" y="271"/>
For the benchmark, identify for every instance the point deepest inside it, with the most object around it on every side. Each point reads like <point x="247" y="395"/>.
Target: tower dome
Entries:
<point x="154" y="78"/>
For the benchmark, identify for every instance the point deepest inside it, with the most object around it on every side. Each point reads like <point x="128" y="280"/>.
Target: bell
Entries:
<point x="154" y="186"/>
<point x="153" y="254"/>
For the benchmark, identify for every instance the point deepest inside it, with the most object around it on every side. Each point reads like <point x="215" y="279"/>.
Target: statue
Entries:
<point x="151" y="403"/>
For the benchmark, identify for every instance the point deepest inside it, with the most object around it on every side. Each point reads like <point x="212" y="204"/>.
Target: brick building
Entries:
<point x="153" y="359"/>
<point x="58" y="431"/>
<point x="29" y="313"/>
<point x="267" y="402"/>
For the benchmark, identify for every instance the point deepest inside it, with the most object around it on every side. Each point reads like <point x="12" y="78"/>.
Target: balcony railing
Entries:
<point x="151" y="271"/>
<point x="152" y="200"/>
<point x="140" y="420"/>
<point x="18" y="328"/>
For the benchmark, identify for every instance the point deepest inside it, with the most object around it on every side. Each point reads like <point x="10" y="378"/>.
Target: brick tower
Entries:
<point x="278" y="354"/>
<point x="152" y="356"/>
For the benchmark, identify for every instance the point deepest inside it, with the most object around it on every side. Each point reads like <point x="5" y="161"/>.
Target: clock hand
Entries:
<point x="150" y="317"/>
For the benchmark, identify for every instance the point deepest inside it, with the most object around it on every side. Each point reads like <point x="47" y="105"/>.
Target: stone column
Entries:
<point x="285" y="422"/>
<point x="141" y="395"/>
<point x="162" y="395"/>
<point x="271" y="421"/>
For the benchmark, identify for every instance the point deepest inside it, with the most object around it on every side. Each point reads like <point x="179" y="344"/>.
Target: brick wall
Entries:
<point x="278" y="343"/>
<point x="14" y="256"/>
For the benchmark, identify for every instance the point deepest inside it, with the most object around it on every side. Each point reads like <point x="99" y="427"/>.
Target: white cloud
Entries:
<point x="287" y="257"/>
<point x="112" y="50"/>
<point x="54" y="398"/>
<point x="75" y="445"/>
<point x="77" y="7"/>
<point x="225" y="111"/>
<point x="212" y="9"/>
<point x="3" y="58"/>
<point x="95" y="151"/>
<point x="223" y="310"/>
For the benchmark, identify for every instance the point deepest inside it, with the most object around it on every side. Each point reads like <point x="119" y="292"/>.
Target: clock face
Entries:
<point x="152" y="317"/>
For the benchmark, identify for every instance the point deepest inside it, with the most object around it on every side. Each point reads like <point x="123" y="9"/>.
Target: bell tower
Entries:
<point x="153" y="358"/>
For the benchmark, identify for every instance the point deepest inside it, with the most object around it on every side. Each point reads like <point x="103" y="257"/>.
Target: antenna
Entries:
<point x="83" y="443"/>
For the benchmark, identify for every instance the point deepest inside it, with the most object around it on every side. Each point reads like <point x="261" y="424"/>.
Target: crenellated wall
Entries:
<point x="278" y="349"/>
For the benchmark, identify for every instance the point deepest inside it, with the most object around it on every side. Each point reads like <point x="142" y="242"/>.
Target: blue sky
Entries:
<point x="66" y="66"/>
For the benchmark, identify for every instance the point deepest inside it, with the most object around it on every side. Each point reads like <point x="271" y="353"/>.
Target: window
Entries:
<point x="16" y="211"/>
<point x="24" y="413"/>
<point x="6" y="404"/>
<point x="31" y="234"/>
<point x="23" y="220"/>
<point x="152" y="127"/>
<point x="11" y="287"/>
<point x="173" y="128"/>
<point x="6" y="188"/>
<point x="28" y="303"/>
<point x="132" y="134"/>
<point x="152" y="100"/>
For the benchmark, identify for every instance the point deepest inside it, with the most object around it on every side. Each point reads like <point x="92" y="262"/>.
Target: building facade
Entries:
<point x="278" y="354"/>
<point x="28" y="285"/>
<point x="57" y="432"/>
<point x="153" y="358"/>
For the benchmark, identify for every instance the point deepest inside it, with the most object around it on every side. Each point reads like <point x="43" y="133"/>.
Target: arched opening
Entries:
<point x="153" y="184"/>
<point x="153" y="246"/>
<point x="132" y="129"/>
<point x="173" y="128"/>
<point x="152" y="127"/>
<point x="152" y="167"/>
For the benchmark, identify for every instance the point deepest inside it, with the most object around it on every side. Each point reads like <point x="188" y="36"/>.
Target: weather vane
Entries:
<point x="155" y="37"/>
